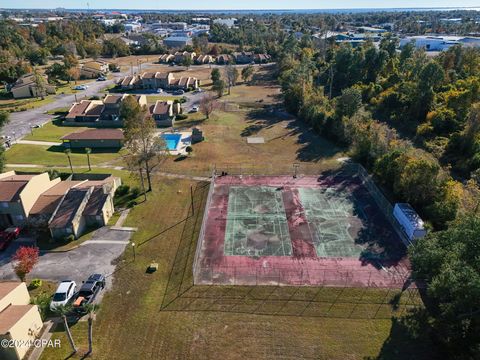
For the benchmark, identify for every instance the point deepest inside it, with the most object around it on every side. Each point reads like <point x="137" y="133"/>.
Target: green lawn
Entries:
<point x="160" y="316"/>
<point x="24" y="104"/>
<point x="51" y="132"/>
<point x="54" y="156"/>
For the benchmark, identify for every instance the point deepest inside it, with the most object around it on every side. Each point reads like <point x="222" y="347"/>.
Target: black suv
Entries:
<point x="89" y="291"/>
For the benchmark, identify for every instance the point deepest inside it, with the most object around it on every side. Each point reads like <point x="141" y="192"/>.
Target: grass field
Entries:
<point x="141" y="319"/>
<point x="54" y="156"/>
<point x="51" y="132"/>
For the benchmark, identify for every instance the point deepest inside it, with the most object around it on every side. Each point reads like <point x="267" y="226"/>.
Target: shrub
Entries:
<point x="42" y="300"/>
<point x="183" y="100"/>
<point x="122" y="190"/>
<point x="181" y="117"/>
<point x="35" y="283"/>
<point x="135" y="192"/>
<point x="69" y="238"/>
<point x="131" y="204"/>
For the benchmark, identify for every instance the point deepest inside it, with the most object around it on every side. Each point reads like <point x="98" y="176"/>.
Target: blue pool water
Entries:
<point x="171" y="140"/>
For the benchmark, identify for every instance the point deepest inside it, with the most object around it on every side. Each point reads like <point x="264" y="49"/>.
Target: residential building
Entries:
<point x="262" y="58"/>
<point x="106" y="111"/>
<point x="180" y="56"/>
<point x="227" y="22"/>
<point x="163" y="112"/>
<point x="26" y="86"/>
<point x="244" y="57"/>
<point x="158" y="80"/>
<point x="224" y="59"/>
<point x="88" y="204"/>
<point x="20" y="322"/>
<point x="132" y="27"/>
<point x="94" y="139"/>
<point x="166" y="58"/>
<point x="204" y="59"/>
<point x="85" y="111"/>
<point x="177" y="41"/>
<point x="93" y="69"/>
<point x="18" y="194"/>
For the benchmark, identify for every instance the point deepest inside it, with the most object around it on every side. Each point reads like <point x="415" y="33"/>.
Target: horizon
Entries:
<point x="247" y="5"/>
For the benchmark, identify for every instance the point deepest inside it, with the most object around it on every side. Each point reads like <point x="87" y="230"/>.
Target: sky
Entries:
<point x="234" y="5"/>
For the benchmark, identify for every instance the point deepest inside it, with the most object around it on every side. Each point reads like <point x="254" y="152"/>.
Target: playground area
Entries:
<point x="323" y="230"/>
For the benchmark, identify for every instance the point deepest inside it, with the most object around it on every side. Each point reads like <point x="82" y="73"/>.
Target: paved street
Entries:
<point x="93" y="256"/>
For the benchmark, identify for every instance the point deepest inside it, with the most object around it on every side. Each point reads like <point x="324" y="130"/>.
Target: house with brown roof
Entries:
<point x="166" y="58"/>
<point x="106" y="111"/>
<point x="244" y="57"/>
<point x="18" y="194"/>
<point x="87" y="204"/>
<point x="204" y="59"/>
<point x="93" y="69"/>
<point x="163" y="112"/>
<point x="180" y="56"/>
<point x="94" y="139"/>
<point x="224" y="59"/>
<point x="26" y="87"/>
<point x="158" y="80"/>
<point x="85" y="111"/>
<point x="20" y="322"/>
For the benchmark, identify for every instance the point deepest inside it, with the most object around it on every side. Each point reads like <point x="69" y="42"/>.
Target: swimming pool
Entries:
<point x="171" y="140"/>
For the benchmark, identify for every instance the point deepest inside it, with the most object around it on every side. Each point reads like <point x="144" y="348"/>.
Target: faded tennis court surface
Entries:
<point x="310" y="230"/>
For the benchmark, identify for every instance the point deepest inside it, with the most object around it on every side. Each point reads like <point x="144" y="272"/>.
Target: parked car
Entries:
<point x="194" y="109"/>
<point x="178" y="92"/>
<point x="102" y="78"/>
<point x="80" y="87"/>
<point x="7" y="236"/>
<point x="89" y="291"/>
<point x="116" y="70"/>
<point x="64" y="294"/>
<point x="159" y="91"/>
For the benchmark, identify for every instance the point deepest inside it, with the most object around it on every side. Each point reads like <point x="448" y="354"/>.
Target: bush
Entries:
<point x="181" y="117"/>
<point x="35" y="283"/>
<point x="122" y="190"/>
<point x="69" y="238"/>
<point x="183" y="99"/>
<point x="42" y="300"/>
<point x="131" y="204"/>
<point x="135" y="192"/>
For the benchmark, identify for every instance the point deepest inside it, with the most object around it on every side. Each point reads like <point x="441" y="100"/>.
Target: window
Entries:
<point x="4" y="205"/>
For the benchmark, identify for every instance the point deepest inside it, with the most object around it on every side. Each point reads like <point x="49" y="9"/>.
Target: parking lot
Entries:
<point x="93" y="256"/>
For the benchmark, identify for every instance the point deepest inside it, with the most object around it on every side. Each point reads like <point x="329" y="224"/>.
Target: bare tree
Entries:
<point x="40" y="84"/>
<point x="208" y="104"/>
<point x="141" y="139"/>
<point x="231" y="73"/>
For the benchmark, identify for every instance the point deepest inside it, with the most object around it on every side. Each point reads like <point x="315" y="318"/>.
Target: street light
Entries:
<point x="14" y="137"/>
<point x="133" y="247"/>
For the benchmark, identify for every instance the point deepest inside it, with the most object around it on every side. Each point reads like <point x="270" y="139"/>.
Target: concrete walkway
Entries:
<point x="46" y="336"/>
<point x="122" y="218"/>
<point x="44" y="143"/>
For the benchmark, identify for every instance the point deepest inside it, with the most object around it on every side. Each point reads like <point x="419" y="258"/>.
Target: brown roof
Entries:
<point x="160" y="75"/>
<point x="48" y="201"/>
<point x="78" y="109"/>
<point x="112" y="99"/>
<point x="6" y="287"/>
<point x="68" y="208"/>
<point x="96" y="183"/>
<point x="148" y="75"/>
<point x="10" y="190"/>
<point x="95" y="202"/>
<point x="161" y="107"/>
<point x="95" y="134"/>
<point x="11" y="315"/>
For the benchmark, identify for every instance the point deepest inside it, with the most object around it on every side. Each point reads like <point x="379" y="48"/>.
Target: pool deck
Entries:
<point x="185" y="140"/>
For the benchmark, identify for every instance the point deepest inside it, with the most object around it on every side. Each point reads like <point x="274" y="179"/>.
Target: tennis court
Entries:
<point x="307" y="230"/>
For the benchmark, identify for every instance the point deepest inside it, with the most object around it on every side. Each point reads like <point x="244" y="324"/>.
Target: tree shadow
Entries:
<point x="61" y="149"/>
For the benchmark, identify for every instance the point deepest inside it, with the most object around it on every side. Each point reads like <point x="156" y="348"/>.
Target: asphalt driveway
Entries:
<point x="93" y="256"/>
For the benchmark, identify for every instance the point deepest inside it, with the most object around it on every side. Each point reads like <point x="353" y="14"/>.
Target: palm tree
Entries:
<point x="88" y="151"/>
<point x="63" y="311"/>
<point x="91" y="310"/>
<point x="68" y="152"/>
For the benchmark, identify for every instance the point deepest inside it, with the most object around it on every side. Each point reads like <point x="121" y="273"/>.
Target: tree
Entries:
<point x="231" y="73"/>
<point x="349" y="102"/>
<point x="189" y="150"/>
<point x="24" y="259"/>
<point x="208" y="105"/>
<point x="219" y="87"/>
<point x="40" y="84"/>
<point x="68" y="152"/>
<point x="247" y="72"/>
<point x="91" y="310"/>
<point x="215" y="75"/>
<point x="63" y="311"/>
<point x="141" y="139"/>
<point x="187" y="61"/>
<point x="448" y="262"/>
<point x="73" y="74"/>
<point x="88" y="151"/>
